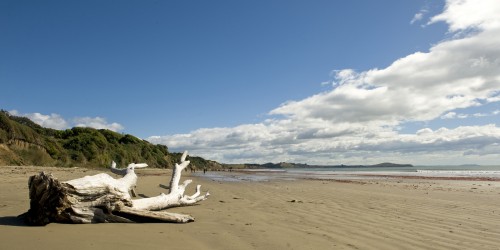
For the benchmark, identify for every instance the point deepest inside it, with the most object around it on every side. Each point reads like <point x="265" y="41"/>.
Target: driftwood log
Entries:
<point x="101" y="198"/>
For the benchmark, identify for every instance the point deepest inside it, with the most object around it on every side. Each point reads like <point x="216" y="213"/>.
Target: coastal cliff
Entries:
<point x="23" y="142"/>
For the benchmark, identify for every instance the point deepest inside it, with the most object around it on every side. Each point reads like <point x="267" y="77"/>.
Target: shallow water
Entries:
<point x="347" y="173"/>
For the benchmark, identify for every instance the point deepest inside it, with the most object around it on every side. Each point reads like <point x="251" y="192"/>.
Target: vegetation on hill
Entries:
<point x="23" y="142"/>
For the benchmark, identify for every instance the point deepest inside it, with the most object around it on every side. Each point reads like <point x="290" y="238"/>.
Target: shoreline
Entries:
<point x="283" y="174"/>
<point x="366" y="213"/>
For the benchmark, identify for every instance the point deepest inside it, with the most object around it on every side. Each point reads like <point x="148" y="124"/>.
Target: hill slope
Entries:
<point x="23" y="142"/>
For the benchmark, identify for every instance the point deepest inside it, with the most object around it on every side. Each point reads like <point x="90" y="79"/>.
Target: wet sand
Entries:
<point x="394" y="213"/>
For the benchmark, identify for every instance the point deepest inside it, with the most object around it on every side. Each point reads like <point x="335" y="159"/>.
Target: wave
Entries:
<point x="460" y="172"/>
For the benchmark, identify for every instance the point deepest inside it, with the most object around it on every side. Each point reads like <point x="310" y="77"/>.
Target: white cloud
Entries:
<point x="419" y="15"/>
<point x="96" y="122"/>
<point x="273" y="144"/>
<point x="56" y="121"/>
<point x="470" y="14"/>
<point x="418" y="87"/>
<point x="454" y="115"/>
<point x="358" y="119"/>
<point x="449" y="115"/>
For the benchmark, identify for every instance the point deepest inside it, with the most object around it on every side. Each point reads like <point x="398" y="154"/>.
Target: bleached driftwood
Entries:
<point x="101" y="198"/>
<point x="176" y="196"/>
<point x="124" y="171"/>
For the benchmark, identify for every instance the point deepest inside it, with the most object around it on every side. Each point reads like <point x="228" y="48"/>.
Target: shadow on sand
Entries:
<point x="14" y="221"/>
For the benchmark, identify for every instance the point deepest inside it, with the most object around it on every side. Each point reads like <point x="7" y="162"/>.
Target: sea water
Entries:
<point x="349" y="173"/>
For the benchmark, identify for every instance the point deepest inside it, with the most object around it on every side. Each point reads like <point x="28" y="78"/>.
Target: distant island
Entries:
<point x="469" y="165"/>
<point x="284" y="165"/>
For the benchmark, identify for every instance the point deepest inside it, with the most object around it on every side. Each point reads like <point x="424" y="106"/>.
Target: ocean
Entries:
<point x="352" y="173"/>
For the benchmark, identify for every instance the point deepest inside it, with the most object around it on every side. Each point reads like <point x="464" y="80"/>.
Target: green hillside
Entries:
<point x="23" y="142"/>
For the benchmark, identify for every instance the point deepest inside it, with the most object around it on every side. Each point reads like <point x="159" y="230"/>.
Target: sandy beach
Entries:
<point x="394" y="213"/>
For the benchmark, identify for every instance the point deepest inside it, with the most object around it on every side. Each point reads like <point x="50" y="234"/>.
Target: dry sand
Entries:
<point x="302" y="214"/>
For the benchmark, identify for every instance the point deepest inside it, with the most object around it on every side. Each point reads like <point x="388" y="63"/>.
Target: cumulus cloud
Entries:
<point x="56" y="121"/>
<point x="358" y="120"/>
<point x="469" y="14"/>
<point x="418" y="87"/>
<point x="96" y="122"/>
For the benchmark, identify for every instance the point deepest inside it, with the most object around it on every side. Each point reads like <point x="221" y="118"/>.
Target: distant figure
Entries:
<point x="204" y="170"/>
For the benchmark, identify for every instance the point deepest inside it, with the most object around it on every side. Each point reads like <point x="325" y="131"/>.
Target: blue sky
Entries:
<point x="256" y="81"/>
